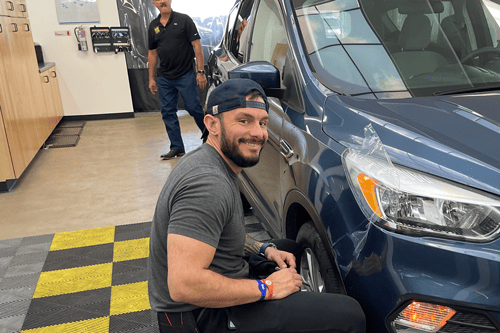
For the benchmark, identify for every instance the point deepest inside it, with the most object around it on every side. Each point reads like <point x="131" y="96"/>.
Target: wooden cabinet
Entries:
<point x="26" y="120"/>
<point x="52" y="100"/>
<point x="13" y="8"/>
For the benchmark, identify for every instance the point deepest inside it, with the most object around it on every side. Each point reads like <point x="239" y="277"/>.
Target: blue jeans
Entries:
<point x="169" y="95"/>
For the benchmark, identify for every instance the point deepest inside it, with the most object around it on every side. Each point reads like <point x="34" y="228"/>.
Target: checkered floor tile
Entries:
<point x="91" y="280"/>
<point x="81" y="281"/>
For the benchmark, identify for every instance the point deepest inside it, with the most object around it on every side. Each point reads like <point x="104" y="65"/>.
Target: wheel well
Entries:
<point x="297" y="215"/>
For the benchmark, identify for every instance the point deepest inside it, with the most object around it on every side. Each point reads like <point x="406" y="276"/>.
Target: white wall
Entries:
<point x="90" y="83"/>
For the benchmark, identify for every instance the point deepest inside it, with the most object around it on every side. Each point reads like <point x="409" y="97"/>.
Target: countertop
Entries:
<point x="43" y="66"/>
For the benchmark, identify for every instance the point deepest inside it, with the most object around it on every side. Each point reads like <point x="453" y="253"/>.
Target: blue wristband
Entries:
<point x="263" y="290"/>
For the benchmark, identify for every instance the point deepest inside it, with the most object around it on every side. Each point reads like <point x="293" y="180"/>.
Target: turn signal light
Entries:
<point x="368" y="187"/>
<point x="422" y="317"/>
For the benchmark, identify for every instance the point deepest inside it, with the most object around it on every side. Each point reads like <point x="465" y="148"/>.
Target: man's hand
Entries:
<point x="286" y="281"/>
<point x="201" y="80"/>
<point x="281" y="258"/>
<point x="152" y="86"/>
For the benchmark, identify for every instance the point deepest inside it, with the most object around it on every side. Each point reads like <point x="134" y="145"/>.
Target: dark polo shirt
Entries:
<point x="173" y="43"/>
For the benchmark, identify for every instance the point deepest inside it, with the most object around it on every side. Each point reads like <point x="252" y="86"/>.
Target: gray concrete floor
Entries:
<point x="112" y="177"/>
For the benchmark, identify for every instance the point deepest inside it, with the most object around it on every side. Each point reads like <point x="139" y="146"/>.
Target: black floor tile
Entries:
<point x="130" y="265"/>
<point x="83" y="298"/>
<point x="66" y="315"/>
<point x="79" y="257"/>
<point x="132" y="227"/>
<point x="141" y="321"/>
<point x="130" y="277"/>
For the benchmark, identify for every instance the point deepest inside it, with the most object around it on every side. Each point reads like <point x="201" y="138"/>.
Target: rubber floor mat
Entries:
<point x="66" y="134"/>
<point x="62" y="141"/>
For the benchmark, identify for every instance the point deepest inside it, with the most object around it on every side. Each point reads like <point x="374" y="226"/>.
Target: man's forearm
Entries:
<point x="252" y="246"/>
<point x="152" y="63"/>
<point x="198" y="53"/>
<point x="212" y="290"/>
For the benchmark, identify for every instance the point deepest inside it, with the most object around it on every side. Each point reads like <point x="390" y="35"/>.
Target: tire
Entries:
<point x="318" y="274"/>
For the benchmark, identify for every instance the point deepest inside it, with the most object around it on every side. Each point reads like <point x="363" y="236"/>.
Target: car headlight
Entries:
<point x="416" y="203"/>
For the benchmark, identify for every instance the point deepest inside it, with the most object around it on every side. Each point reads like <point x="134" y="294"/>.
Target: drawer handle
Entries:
<point x="16" y="29"/>
<point x="54" y="74"/>
<point x="47" y="80"/>
<point x="23" y="6"/>
<point x="11" y="5"/>
<point x="1" y="29"/>
<point x="27" y="27"/>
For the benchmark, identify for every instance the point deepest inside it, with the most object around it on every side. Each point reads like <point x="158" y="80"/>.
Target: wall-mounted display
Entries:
<point x="77" y="11"/>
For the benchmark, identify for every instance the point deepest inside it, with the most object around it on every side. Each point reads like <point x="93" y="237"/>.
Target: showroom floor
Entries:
<point x="75" y="228"/>
<point x="112" y="177"/>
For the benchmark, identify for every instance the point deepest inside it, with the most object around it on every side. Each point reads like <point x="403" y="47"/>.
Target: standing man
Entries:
<point x="172" y="37"/>
<point x="199" y="279"/>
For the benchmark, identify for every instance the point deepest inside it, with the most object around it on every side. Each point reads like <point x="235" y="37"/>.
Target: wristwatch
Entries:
<point x="201" y="72"/>
<point x="264" y="246"/>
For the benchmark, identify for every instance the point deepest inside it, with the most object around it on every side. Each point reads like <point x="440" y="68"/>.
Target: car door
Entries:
<point x="268" y="42"/>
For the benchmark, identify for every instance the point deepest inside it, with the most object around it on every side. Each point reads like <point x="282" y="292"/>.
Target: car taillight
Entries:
<point x="420" y="317"/>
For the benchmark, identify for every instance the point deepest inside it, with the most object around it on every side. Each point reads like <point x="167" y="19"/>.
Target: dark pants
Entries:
<point x="169" y="95"/>
<point x="299" y="312"/>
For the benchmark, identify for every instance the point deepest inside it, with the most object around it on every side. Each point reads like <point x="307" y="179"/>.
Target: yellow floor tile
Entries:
<point x="80" y="238"/>
<point x="131" y="297"/>
<point x="131" y="249"/>
<point x="98" y="325"/>
<point x="74" y="280"/>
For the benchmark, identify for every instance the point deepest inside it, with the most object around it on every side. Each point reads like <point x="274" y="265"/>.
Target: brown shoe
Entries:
<point x="173" y="153"/>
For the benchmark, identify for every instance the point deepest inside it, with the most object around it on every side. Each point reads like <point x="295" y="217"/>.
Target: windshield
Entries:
<point x="383" y="47"/>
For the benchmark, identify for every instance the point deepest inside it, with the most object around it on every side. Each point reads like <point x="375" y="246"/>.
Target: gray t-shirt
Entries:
<point x="200" y="200"/>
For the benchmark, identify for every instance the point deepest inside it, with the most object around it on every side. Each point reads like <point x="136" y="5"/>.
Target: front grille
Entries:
<point x="469" y="322"/>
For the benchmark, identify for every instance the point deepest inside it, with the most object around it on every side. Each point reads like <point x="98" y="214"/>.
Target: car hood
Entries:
<point x="455" y="137"/>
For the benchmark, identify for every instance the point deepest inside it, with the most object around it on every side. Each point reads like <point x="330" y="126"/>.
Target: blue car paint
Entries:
<point x="454" y="137"/>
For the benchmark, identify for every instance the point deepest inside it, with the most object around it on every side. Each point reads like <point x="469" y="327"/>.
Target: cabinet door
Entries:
<point x="8" y="8"/>
<point x="6" y="168"/>
<point x="59" y="112"/>
<point x="20" y="9"/>
<point x="45" y="124"/>
<point x="37" y="108"/>
<point x="16" y="125"/>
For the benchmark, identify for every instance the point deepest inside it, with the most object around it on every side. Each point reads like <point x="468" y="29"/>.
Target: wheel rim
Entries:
<point x="311" y="273"/>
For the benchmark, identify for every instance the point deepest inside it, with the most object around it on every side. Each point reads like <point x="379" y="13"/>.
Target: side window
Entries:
<point x="240" y="33"/>
<point x="230" y="24"/>
<point x="269" y="40"/>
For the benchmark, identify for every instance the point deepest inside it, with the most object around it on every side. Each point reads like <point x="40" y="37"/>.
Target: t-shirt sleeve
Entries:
<point x="191" y="30"/>
<point x="201" y="207"/>
<point x="152" y="44"/>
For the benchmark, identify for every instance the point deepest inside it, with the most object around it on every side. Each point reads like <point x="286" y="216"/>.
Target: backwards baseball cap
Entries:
<point x="231" y="94"/>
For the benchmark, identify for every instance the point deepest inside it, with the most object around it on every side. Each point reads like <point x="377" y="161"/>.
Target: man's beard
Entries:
<point x="231" y="150"/>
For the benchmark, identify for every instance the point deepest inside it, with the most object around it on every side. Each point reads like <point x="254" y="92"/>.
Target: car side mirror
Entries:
<point x="262" y="72"/>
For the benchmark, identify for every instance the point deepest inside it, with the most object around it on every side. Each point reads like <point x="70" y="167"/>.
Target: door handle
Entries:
<point x="286" y="150"/>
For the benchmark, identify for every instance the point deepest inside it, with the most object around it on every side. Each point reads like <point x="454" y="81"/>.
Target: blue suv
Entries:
<point x="383" y="156"/>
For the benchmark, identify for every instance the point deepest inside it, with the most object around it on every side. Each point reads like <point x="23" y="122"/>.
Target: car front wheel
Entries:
<point x="318" y="274"/>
